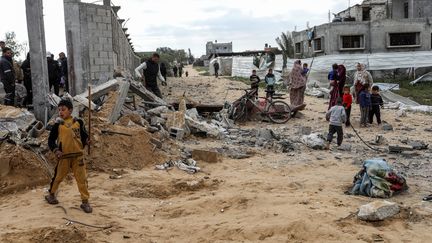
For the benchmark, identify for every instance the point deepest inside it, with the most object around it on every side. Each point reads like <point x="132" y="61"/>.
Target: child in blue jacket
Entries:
<point x="365" y="104"/>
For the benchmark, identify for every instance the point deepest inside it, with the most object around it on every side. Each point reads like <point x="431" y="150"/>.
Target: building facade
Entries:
<point x="374" y="26"/>
<point x="215" y="48"/>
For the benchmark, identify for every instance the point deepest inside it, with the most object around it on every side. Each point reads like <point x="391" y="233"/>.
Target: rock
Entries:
<point x="393" y="148"/>
<point x="345" y="147"/>
<point x="314" y="141"/>
<point x="378" y="210"/>
<point x="158" y="110"/>
<point x="418" y="145"/>
<point x="401" y="113"/>
<point x="205" y="155"/>
<point x="305" y="130"/>
<point x="157" y="121"/>
<point x="152" y="129"/>
<point x="387" y="127"/>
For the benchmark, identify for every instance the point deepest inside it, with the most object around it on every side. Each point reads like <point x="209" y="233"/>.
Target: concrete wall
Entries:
<point x="218" y="48"/>
<point x="375" y="34"/>
<point x="96" y="44"/>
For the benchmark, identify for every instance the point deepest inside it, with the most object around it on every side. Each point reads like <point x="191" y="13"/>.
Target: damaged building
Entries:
<point x="375" y="26"/>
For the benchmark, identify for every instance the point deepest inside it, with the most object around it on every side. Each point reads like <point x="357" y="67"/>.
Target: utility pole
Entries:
<point x="38" y="61"/>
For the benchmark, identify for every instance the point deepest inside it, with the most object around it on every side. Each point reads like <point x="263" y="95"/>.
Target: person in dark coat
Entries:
<point x="64" y="69"/>
<point x="7" y="76"/>
<point x="151" y="73"/>
<point x="53" y="74"/>
<point x="175" y="70"/>
<point x="180" y="70"/>
<point x="25" y="66"/>
<point x="216" y="69"/>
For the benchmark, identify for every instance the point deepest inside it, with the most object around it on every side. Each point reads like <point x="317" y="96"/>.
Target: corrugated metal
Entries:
<point x="242" y="66"/>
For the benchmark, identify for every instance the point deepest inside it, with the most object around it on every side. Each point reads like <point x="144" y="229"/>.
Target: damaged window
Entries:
<point x="406" y="10"/>
<point x="298" y="48"/>
<point x="404" y="39"/>
<point x="366" y="13"/>
<point x="318" y="44"/>
<point x="352" y="41"/>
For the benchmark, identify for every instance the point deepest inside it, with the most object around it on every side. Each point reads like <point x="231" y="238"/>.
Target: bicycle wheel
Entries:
<point x="239" y="112"/>
<point x="278" y="112"/>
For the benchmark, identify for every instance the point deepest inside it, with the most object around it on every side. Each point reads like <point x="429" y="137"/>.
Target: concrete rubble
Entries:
<point x="378" y="211"/>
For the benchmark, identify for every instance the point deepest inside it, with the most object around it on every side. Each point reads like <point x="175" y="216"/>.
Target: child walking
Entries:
<point x="365" y="103"/>
<point x="337" y="117"/>
<point x="67" y="140"/>
<point x="270" y="80"/>
<point x="347" y="100"/>
<point x="376" y="103"/>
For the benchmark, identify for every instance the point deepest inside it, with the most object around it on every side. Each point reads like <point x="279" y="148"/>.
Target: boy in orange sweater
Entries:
<point x="347" y="102"/>
<point x="67" y="140"/>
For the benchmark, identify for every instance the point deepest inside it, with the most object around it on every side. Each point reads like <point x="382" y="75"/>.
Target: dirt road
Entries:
<point x="270" y="197"/>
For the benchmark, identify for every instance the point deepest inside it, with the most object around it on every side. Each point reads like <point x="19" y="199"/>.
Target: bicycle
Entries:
<point x="277" y="111"/>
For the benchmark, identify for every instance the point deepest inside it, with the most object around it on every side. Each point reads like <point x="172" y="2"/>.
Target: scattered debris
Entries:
<point x="393" y="148"/>
<point x="315" y="141"/>
<point x="188" y="165"/>
<point x="378" y="210"/>
<point x="387" y="127"/>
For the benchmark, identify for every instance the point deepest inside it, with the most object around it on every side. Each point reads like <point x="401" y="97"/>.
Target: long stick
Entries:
<point x="89" y="117"/>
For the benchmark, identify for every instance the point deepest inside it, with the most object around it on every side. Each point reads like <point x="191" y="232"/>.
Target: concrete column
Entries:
<point x="38" y="61"/>
<point x="77" y="47"/>
<point x="107" y="3"/>
<point x="411" y="9"/>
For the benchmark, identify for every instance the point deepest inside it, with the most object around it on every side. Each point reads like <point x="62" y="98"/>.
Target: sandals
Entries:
<point x="51" y="199"/>
<point x="86" y="207"/>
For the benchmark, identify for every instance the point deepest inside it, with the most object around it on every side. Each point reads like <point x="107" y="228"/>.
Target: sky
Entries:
<point x="183" y="24"/>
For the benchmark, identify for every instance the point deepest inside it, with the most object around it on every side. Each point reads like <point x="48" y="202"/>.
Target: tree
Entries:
<point x="286" y="43"/>
<point x="11" y="42"/>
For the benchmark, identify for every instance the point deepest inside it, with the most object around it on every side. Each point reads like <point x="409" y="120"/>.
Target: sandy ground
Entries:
<point x="270" y="197"/>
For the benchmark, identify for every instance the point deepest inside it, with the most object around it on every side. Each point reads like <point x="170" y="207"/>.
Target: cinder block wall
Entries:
<point x="96" y="44"/>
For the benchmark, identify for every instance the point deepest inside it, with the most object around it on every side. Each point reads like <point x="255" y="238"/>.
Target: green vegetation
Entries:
<point x="420" y="93"/>
<point x="203" y="71"/>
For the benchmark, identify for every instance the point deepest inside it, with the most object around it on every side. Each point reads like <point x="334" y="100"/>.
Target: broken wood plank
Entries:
<point x="393" y="148"/>
<point x="139" y="89"/>
<point x="122" y="94"/>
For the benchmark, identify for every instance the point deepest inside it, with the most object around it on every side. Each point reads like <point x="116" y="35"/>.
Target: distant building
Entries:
<point x="216" y="48"/>
<point x="374" y="26"/>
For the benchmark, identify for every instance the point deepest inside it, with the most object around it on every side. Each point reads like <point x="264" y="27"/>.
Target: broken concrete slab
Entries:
<point x="155" y="121"/>
<point x="158" y="111"/>
<point x="206" y="155"/>
<point x="387" y="127"/>
<point x="210" y="130"/>
<point x="139" y="89"/>
<point x="122" y="95"/>
<point x="378" y="211"/>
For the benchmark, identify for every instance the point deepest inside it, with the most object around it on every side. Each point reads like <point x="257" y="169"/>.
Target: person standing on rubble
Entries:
<point x="297" y="85"/>
<point x="180" y="69"/>
<point x="53" y="74"/>
<point x="175" y="70"/>
<point x="25" y="66"/>
<point x="151" y="73"/>
<point x="7" y="76"/>
<point x="67" y="140"/>
<point x="64" y="70"/>
<point x="361" y="77"/>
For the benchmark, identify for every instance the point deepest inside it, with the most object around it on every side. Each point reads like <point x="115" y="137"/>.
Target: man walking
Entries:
<point x="53" y="74"/>
<point x="7" y="75"/>
<point x="216" y="68"/>
<point x="151" y="74"/>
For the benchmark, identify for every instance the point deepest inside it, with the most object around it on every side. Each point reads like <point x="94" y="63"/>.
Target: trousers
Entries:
<point x="335" y="129"/>
<point x="375" y="111"/>
<point x="364" y="115"/>
<point x="79" y="170"/>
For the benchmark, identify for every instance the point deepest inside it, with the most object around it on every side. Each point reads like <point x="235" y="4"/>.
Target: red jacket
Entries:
<point x="347" y="100"/>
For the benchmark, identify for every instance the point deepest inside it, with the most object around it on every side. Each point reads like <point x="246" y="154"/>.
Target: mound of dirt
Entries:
<point x="174" y="188"/>
<point x="49" y="235"/>
<point x="26" y="171"/>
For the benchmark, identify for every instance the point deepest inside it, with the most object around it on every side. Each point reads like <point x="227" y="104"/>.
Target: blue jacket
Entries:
<point x="365" y="99"/>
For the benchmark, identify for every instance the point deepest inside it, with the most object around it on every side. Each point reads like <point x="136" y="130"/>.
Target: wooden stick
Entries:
<point x="89" y="117"/>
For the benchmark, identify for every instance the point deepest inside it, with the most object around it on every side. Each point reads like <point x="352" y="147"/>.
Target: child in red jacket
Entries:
<point x="347" y="102"/>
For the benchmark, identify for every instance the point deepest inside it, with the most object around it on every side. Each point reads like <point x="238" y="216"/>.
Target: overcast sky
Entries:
<point x="182" y="24"/>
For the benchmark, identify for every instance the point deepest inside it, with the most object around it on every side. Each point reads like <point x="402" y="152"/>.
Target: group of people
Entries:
<point x="363" y="92"/>
<point x="178" y="70"/>
<point x="11" y="74"/>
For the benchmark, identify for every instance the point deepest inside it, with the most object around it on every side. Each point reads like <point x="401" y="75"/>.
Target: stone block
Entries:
<point x="95" y="68"/>
<point x="378" y="211"/>
<point x="106" y="19"/>
<point x="107" y="46"/>
<point x="97" y="19"/>
<point x="108" y="61"/>
<point x="107" y="33"/>
<point x="91" y="10"/>
<point x="97" y="47"/>
<point x="98" y="61"/>
<point x="92" y="26"/>
<point x="103" y="40"/>
<point x="102" y="12"/>
<point x="94" y="54"/>
<point x="104" y="68"/>
<point x="206" y="156"/>
<point x="101" y="26"/>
